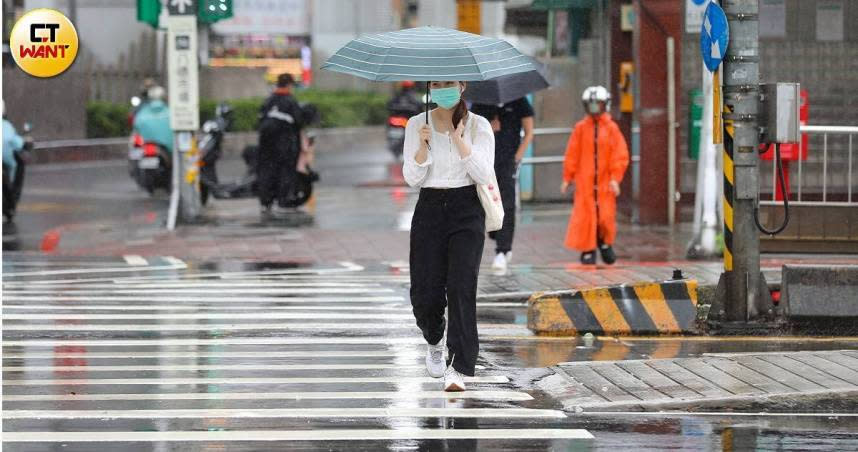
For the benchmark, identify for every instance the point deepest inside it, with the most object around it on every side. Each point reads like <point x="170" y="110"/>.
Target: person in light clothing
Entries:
<point x="445" y="159"/>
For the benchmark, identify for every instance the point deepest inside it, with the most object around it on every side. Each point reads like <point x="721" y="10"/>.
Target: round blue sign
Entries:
<point x="714" y="36"/>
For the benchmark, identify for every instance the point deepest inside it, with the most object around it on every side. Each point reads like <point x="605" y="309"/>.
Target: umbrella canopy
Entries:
<point x="428" y="54"/>
<point x="506" y="88"/>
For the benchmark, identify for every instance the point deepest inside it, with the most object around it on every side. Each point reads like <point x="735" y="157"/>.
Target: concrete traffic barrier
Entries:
<point x="665" y="308"/>
<point x="820" y="291"/>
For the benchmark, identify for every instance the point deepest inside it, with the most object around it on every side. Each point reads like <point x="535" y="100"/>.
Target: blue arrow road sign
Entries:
<point x="714" y="37"/>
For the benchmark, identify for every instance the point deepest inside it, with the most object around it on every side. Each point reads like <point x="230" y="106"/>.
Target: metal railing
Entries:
<point x="551" y="158"/>
<point x="820" y="179"/>
<point x="815" y="184"/>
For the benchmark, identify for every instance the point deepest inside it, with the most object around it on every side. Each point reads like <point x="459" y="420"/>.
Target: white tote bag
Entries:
<point x="490" y="196"/>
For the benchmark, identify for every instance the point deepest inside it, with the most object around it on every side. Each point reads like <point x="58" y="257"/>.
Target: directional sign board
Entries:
<point x="714" y="36"/>
<point x="694" y="10"/>
<point x="182" y="76"/>
<point x="182" y="7"/>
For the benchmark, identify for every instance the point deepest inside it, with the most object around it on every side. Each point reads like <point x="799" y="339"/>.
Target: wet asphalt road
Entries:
<point x="58" y="195"/>
<point x="153" y="357"/>
<point x="245" y="358"/>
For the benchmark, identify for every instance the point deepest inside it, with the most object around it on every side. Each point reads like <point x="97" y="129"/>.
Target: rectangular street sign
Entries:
<point x="182" y="7"/>
<point x="182" y="72"/>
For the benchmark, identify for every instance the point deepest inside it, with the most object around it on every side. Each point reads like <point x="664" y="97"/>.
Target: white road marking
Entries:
<point x="501" y="305"/>
<point x="304" y="290"/>
<point x="86" y="354"/>
<point x="308" y="324"/>
<point x="197" y="367"/>
<point x="241" y="381"/>
<point x="213" y="326"/>
<point x="351" y="266"/>
<point x="178" y="264"/>
<point x="232" y="299"/>
<point x="174" y="265"/>
<point x="231" y="315"/>
<point x="95" y="288"/>
<point x="299" y="435"/>
<point x="197" y="278"/>
<point x="166" y="307"/>
<point x="686" y="414"/>
<point x="392" y="395"/>
<point x="66" y="264"/>
<point x="291" y="413"/>
<point x="135" y="260"/>
<point x="379" y="340"/>
<point x="175" y="261"/>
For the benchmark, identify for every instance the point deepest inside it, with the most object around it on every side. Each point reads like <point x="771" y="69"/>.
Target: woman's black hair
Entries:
<point x="459" y="113"/>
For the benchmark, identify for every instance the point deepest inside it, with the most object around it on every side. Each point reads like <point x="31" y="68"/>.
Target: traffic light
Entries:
<point x="148" y="11"/>
<point x="211" y="11"/>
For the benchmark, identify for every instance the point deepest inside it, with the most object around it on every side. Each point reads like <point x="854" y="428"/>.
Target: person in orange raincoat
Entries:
<point x="593" y="220"/>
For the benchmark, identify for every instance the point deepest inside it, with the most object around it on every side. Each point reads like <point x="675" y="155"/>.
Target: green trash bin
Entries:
<point x="695" y="121"/>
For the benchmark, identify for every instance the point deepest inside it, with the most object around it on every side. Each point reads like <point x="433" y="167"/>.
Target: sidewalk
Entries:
<point x="713" y="382"/>
<point x="369" y="226"/>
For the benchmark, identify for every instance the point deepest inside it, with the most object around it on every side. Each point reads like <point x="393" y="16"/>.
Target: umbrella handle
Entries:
<point x="426" y="107"/>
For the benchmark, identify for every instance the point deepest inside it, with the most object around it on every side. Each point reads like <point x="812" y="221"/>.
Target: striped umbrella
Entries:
<point x="428" y="54"/>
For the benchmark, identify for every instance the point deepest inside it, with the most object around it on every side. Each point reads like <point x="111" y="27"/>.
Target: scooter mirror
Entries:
<point x="135" y="101"/>
<point x="28" y="127"/>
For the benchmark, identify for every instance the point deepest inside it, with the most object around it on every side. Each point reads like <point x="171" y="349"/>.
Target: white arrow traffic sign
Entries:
<point x="181" y="6"/>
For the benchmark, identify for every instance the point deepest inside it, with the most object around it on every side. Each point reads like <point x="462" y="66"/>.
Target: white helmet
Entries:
<point x="156" y="93"/>
<point x="597" y="94"/>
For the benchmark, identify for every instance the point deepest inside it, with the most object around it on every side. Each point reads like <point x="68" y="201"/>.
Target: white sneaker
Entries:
<point x="508" y="257"/>
<point x="435" y="359"/>
<point x="453" y="380"/>
<point x="500" y="263"/>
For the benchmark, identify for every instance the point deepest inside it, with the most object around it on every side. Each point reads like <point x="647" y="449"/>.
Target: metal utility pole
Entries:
<point x="182" y="75"/>
<point x="742" y="285"/>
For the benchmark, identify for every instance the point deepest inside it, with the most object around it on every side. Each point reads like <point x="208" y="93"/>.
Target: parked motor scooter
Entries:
<point x="209" y="146"/>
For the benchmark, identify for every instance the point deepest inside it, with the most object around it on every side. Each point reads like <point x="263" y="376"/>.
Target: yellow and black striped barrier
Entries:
<point x="644" y="308"/>
<point x="729" y="184"/>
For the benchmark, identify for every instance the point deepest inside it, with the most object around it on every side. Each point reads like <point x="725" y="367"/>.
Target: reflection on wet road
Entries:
<point x="103" y="354"/>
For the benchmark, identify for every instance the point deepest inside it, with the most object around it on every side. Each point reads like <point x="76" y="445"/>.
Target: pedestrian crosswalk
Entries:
<point x="162" y="357"/>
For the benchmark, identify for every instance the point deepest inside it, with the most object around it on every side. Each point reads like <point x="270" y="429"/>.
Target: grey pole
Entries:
<point x="746" y="294"/>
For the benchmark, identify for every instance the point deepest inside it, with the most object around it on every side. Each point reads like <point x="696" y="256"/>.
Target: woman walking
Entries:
<point x="446" y="157"/>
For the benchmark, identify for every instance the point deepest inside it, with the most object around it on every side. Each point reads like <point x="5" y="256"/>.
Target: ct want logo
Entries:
<point x="44" y="42"/>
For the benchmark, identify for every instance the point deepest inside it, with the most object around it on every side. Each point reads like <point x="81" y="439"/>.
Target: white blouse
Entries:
<point x="444" y="168"/>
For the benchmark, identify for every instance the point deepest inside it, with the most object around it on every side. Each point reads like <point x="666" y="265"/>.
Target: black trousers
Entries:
<point x="506" y="183"/>
<point x="276" y="175"/>
<point x="447" y="236"/>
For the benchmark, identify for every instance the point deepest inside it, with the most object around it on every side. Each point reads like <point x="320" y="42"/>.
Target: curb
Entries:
<point x="663" y="308"/>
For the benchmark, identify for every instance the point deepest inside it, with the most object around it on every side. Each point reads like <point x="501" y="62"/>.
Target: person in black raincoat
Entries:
<point x="279" y="145"/>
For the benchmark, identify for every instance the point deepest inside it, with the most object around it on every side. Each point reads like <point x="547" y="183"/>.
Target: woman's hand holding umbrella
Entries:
<point x="423" y="151"/>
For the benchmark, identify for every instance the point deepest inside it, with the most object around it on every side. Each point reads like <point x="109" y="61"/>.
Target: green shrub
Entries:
<point x="105" y="119"/>
<point x="337" y="109"/>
